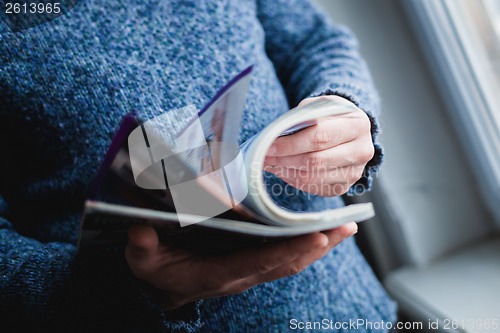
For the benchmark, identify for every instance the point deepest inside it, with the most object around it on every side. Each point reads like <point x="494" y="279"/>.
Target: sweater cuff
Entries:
<point x="355" y="96"/>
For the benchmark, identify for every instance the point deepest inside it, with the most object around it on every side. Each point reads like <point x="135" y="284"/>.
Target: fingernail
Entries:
<point x="355" y="229"/>
<point x="325" y="241"/>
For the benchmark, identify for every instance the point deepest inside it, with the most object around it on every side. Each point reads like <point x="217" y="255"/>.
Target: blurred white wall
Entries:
<point x="430" y="200"/>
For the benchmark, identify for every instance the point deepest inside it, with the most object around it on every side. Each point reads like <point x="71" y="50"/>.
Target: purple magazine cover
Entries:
<point x="131" y="121"/>
<point x="127" y="125"/>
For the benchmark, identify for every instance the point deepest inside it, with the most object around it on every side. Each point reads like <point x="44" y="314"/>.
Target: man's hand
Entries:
<point x="327" y="158"/>
<point x="182" y="276"/>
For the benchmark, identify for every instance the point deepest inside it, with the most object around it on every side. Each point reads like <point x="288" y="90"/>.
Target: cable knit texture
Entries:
<point x="65" y="85"/>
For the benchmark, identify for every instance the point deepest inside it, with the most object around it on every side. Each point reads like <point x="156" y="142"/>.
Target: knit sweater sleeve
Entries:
<point x="52" y="287"/>
<point x="313" y="56"/>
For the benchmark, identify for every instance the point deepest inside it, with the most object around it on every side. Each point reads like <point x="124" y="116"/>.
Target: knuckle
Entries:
<point x="316" y="161"/>
<point x="366" y="154"/>
<point x="360" y="173"/>
<point x="352" y="179"/>
<point x="370" y="151"/>
<point x="321" y="138"/>
<point x="304" y="177"/>
<point x="272" y="160"/>
<point x="355" y="175"/>
<point x="364" y="123"/>
<point x="262" y="268"/>
<point x="275" y="161"/>
<point x="294" y="269"/>
<point x="324" y="98"/>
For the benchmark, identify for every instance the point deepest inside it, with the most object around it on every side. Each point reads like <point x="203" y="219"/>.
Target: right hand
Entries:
<point x="182" y="276"/>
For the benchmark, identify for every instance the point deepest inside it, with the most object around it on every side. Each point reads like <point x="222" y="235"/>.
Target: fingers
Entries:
<point x="203" y="277"/>
<point x="266" y="258"/>
<point x="327" y="183"/>
<point x="330" y="172"/>
<point x="353" y="153"/>
<point x="321" y="163"/>
<point x="302" y="177"/>
<point x="268" y="268"/>
<point x="325" y="159"/>
<point x="237" y="272"/>
<point x="328" y="133"/>
<point x="335" y="237"/>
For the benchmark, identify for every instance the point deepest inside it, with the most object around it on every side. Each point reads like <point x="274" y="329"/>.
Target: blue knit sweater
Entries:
<point x="65" y="85"/>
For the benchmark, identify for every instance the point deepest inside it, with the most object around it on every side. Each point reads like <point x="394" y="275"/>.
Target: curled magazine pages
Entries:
<point x="194" y="177"/>
<point x="255" y="150"/>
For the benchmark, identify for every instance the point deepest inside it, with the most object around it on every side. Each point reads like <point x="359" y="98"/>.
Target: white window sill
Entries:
<point x="460" y="287"/>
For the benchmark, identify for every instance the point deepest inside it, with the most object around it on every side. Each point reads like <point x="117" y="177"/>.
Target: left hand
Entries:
<point x="327" y="158"/>
<point x="180" y="276"/>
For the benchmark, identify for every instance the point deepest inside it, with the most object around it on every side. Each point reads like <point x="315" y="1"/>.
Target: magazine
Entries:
<point x="184" y="173"/>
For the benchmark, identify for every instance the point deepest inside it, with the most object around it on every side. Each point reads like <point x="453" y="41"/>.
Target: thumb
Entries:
<point x="142" y="241"/>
